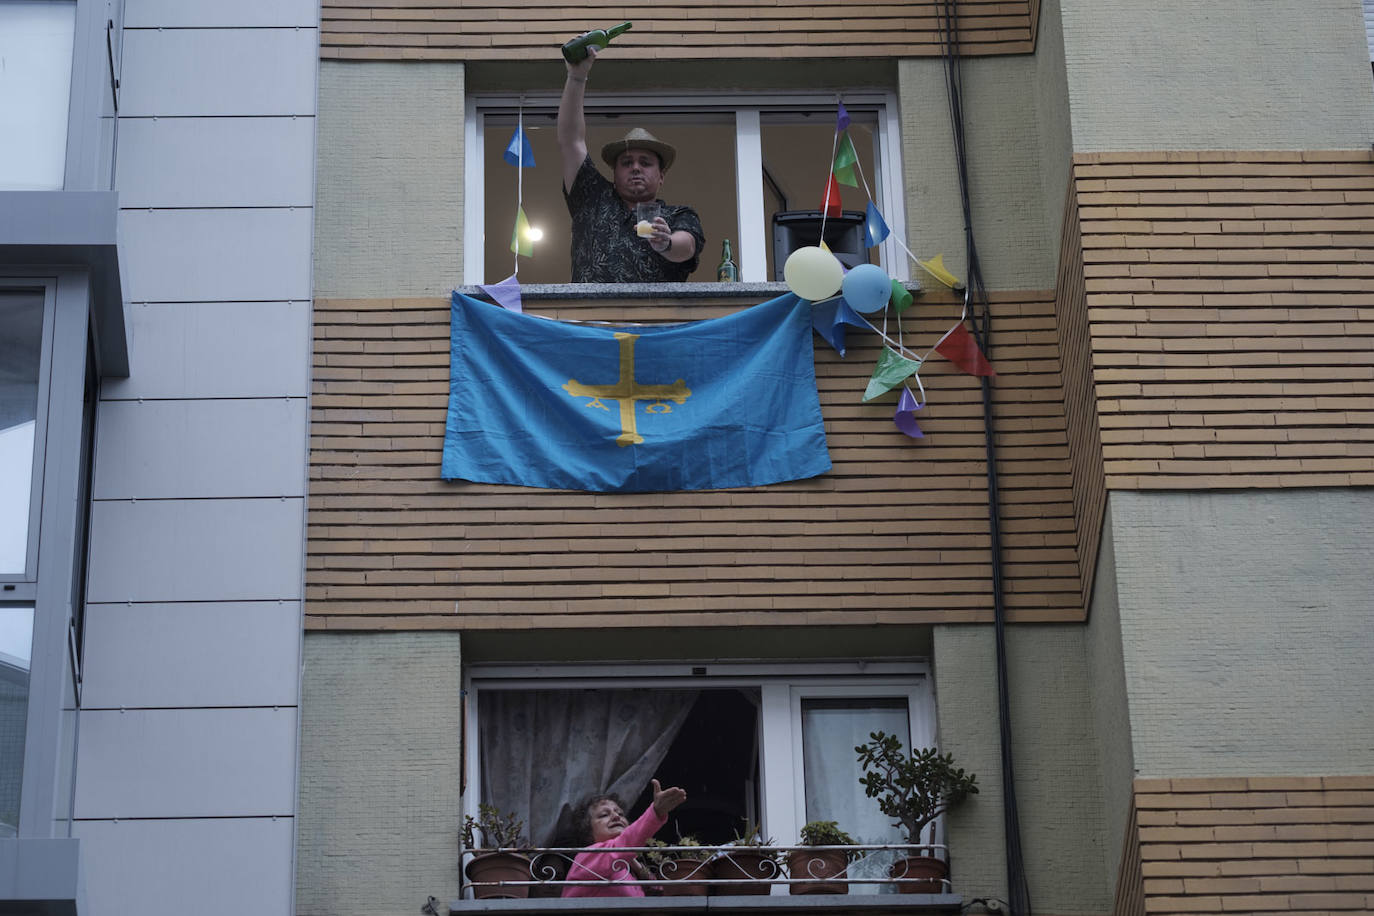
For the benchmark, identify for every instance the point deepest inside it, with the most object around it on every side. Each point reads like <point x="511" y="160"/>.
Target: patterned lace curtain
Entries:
<point x="542" y="750"/>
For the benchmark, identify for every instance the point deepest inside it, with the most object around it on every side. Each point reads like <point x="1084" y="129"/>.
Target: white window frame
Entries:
<point x="782" y="687"/>
<point x="749" y="109"/>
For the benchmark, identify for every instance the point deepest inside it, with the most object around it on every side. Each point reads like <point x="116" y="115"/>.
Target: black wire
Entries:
<point x="976" y="302"/>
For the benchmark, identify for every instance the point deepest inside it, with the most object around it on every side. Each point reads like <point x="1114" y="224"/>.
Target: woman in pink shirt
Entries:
<point x="608" y="832"/>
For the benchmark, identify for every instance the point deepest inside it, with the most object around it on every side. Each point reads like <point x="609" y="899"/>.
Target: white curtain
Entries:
<point x="542" y="750"/>
<point x="831" y="729"/>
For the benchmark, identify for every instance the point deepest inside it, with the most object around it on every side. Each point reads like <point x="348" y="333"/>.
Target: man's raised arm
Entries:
<point x="572" y="124"/>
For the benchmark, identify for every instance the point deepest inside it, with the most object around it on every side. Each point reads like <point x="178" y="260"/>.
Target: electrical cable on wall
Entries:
<point x="976" y="304"/>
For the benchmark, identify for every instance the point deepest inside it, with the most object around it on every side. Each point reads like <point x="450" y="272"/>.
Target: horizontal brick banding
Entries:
<point x="896" y="532"/>
<point x="481" y="30"/>
<point x="1230" y="305"/>
<point x="1256" y="845"/>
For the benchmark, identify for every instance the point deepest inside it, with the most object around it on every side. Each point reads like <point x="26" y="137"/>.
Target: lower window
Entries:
<point x="763" y="744"/>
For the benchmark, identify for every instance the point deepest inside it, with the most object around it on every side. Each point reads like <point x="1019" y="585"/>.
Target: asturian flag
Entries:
<point x="723" y="402"/>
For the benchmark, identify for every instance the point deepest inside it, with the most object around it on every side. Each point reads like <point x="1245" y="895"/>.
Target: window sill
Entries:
<point x="814" y="904"/>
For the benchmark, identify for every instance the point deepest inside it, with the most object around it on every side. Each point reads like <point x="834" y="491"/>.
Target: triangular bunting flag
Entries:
<point x="829" y="318"/>
<point x="901" y="298"/>
<point x="842" y="119"/>
<point x="905" y="417"/>
<point x="875" y="228"/>
<point x="520" y="241"/>
<point x="936" y="268"/>
<point x="845" y="157"/>
<point x="830" y="203"/>
<point x="960" y="348"/>
<point x="518" y="150"/>
<point x="505" y="294"/>
<point x="890" y="372"/>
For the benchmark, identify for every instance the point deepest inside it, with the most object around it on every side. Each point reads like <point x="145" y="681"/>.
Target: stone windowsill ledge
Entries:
<point x="697" y="291"/>
<point x="812" y="905"/>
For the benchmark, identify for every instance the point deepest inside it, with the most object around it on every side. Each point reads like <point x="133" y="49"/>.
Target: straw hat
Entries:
<point x="638" y="138"/>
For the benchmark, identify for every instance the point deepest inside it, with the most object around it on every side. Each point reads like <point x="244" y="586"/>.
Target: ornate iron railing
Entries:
<point x="717" y="870"/>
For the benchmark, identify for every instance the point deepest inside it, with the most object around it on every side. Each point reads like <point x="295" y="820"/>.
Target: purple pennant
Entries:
<point x="829" y="319"/>
<point x="842" y="121"/>
<point x="905" y="417"/>
<point x="518" y="150"/>
<point x="505" y="294"/>
<point x="875" y="228"/>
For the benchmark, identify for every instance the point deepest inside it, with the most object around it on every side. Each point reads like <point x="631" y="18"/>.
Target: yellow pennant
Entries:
<point x="936" y="268"/>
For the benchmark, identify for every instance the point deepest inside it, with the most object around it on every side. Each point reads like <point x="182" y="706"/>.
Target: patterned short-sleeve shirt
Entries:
<point x="605" y="248"/>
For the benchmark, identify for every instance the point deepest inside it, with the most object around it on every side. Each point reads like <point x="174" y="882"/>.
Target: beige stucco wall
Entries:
<point x="1224" y="74"/>
<point x="380" y="773"/>
<point x="1058" y="786"/>
<point x="1247" y="625"/>
<point x="1006" y="140"/>
<point x="389" y="179"/>
<point x="1110" y="709"/>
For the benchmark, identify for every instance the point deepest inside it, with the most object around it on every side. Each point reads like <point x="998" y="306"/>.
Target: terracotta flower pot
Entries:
<point x="679" y="876"/>
<point x="919" y="874"/>
<point x="819" y="864"/>
<point x="499" y="866"/>
<point x="758" y="868"/>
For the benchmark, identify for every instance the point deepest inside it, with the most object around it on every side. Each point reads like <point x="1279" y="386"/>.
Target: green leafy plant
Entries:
<point x="827" y="833"/>
<point x="499" y="830"/>
<point x="914" y="788"/>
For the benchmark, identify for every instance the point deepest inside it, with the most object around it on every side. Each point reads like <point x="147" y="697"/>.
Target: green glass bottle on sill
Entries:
<point x="727" y="272"/>
<point x="575" y="50"/>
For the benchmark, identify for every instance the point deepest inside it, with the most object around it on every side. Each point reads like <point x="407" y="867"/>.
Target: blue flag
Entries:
<point x="725" y="402"/>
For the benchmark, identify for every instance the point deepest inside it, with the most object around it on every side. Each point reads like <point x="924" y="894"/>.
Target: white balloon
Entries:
<point x="813" y="273"/>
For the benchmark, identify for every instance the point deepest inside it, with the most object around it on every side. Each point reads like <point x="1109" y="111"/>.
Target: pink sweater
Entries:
<point x="591" y="866"/>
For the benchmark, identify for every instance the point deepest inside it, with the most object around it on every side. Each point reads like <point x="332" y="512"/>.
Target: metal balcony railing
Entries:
<point x="721" y="870"/>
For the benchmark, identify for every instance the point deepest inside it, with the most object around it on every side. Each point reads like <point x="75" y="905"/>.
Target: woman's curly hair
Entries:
<point x="582" y="815"/>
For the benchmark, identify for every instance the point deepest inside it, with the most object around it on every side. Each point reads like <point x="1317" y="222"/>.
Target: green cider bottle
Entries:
<point x="726" y="272"/>
<point x="575" y="51"/>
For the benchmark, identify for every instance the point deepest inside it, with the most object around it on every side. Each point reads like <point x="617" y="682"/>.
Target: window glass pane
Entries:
<point x="21" y="337"/>
<point x="35" y="82"/>
<point x="16" y="639"/>
<point x="797" y="154"/>
<point x="831" y="729"/>
<point x="702" y="177"/>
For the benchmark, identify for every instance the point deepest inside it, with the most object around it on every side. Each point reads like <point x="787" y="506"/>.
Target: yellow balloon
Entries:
<point x="813" y="273"/>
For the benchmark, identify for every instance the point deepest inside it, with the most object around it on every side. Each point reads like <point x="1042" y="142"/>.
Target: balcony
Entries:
<point x="723" y="879"/>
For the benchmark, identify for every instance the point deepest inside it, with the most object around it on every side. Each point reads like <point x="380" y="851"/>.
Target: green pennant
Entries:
<point x="845" y="159"/>
<point x="901" y="298"/>
<point x="520" y="242"/>
<point x="891" y="370"/>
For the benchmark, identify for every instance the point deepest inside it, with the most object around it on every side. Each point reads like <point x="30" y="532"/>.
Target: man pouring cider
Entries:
<point x="621" y="231"/>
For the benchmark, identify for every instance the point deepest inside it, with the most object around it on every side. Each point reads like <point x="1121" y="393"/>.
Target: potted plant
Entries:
<point x="915" y="789"/>
<point x="748" y="857"/>
<point x="683" y="868"/>
<point x="824" y="865"/>
<point x="497" y="857"/>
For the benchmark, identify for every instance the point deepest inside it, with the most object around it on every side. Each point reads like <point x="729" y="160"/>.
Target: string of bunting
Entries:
<point x="840" y="297"/>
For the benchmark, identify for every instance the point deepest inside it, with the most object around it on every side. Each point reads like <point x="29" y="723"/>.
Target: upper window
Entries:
<point x="763" y="744"/>
<point x="35" y="85"/>
<point x="21" y="360"/>
<point x="740" y="163"/>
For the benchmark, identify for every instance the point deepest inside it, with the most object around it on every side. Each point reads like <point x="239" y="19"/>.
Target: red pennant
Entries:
<point x="961" y="349"/>
<point x="831" y="202"/>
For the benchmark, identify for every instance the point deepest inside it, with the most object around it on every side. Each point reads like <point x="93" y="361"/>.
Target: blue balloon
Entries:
<point x="867" y="288"/>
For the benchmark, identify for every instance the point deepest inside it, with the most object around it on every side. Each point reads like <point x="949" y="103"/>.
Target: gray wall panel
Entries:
<point x="176" y="255"/>
<point x="162" y="449"/>
<point x="215" y="162"/>
<point x="189" y="72"/>
<point x="196" y="550"/>
<point x="185" y="763"/>
<point x="202" y="654"/>
<point x="205" y="867"/>
<point x="208" y="14"/>
<point x="216" y="350"/>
